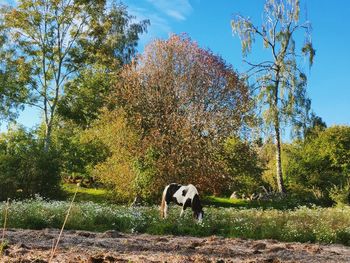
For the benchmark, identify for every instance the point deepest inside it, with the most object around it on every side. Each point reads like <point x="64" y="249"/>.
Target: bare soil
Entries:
<point x="82" y="246"/>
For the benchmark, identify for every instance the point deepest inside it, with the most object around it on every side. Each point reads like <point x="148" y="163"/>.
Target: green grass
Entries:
<point x="283" y="204"/>
<point x="303" y="224"/>
<point x="224" y="202"/>
<point x="86" y="194"/>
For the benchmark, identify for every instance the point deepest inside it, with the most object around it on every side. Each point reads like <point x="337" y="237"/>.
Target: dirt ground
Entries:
<point x="81" y="246"/>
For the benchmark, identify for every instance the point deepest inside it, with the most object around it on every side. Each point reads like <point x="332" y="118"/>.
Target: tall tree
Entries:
<point x="183" y="100"/>
<point x="60" y="39"/>
<point x="110" y="44"/>
<point x="280" y="82"/>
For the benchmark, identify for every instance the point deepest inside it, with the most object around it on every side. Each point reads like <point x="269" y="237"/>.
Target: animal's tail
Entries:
<point x="162" y="204"/>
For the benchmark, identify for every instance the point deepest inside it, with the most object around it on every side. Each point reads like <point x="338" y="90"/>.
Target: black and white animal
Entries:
<point x="184" y="195"/>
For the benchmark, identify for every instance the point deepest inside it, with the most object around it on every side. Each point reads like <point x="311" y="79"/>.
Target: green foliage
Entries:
<point x="324" y="225"/>
<point x="100" y="54"/>
<point x="84" y="96"/>
<point x="14" y="75"/>
<point x="314" y="126"/>
<point x="63" y="43"/>
<point x="321" y="161"/>
<point x="340" y="194"/>
<point x="117" y="172"/>
<point x="3" y="245"/>
<point x="146" y="172"/>
<point x="25" y="169"/>
<point x="78" y="154"/>
<point x="242" y="165"/>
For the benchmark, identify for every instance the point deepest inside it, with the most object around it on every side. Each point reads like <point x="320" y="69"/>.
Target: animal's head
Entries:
<point x="198" y="215"/>
<point x="197" y="208"/>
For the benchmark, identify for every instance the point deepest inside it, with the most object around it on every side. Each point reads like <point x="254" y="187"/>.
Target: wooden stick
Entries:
<point x="64" y="223"/>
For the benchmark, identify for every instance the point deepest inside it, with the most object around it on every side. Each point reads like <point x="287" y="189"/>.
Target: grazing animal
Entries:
<point x="184" y="195"/>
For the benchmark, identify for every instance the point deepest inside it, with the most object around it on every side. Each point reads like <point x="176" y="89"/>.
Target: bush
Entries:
<point x="25" y="168"/>
<point x="78" y="154"/>
<point x="242" y="166"/>
<point x="340" y="194"/>
<point x="320" y="163"/>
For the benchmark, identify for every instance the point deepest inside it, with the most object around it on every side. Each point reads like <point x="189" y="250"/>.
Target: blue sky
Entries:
<point x="208" y="23"/>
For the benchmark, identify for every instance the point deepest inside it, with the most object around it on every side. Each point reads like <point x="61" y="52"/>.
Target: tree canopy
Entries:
<point x="181" y="101"/>
<point x="60" y="41"/>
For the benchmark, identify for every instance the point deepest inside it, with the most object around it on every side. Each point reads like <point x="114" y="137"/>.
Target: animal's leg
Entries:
<point x="182" y="212"/>
<point x="185" y="205"/>
<point x="165" y="210"/>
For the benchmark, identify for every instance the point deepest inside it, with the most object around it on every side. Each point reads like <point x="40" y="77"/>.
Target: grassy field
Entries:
<point x="96" y="195"/>
<point x="283" y="204"/>
<point x="304" y="224"/>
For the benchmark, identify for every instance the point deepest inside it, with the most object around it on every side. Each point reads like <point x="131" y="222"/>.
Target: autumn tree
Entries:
<point x="279" y="80"/>
<point x="60" y="40"/>
<point x="118" y="172"/>
<point x="181" y="101"/>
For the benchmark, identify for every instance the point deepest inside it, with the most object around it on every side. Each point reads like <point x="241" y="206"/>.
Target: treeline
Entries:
<point x="133" y="123"/>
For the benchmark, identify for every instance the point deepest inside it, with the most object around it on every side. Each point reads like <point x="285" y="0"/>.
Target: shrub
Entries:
<point x="25" y="168"/>
<point x="320" y="162"/>
<point x="242" y="165"/>
<point x="340" y="194"/>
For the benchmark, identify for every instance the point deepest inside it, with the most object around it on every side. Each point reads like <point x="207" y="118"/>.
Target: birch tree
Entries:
<point x="280" y="81"/>
<point x="57" y="39"/>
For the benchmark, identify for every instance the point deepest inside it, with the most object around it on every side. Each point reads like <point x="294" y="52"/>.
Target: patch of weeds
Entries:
<point x="3" y="245"/>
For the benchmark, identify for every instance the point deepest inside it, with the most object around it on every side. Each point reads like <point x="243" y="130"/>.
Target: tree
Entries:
<point x="117" y="172"/>
<point x="59" y="40"/>
<point x="280" y="82"/>
<point x="242" y="165"/>
<point x="14" y="75"/>
<point x="78" y="154"/>
<point x="321" y="161"/>
<point x="315" y="125"/>
<point x="25" y="168"/>
<point x="180" y="101"/>
<point x="113" y="45"/>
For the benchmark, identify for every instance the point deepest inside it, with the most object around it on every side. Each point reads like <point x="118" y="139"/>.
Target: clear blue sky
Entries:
<point x="208" y="23"/>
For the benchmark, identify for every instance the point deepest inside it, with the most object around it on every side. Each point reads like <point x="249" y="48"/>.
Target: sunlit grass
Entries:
<point x="96" y="195"/>
<point x="283" y="204"/>
<point x="225" y="201"/>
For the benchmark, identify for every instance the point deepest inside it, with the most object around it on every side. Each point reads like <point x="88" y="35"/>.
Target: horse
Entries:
<point x="183" y="195"/>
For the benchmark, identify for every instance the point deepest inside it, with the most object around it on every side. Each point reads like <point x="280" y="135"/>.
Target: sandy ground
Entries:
<point x="81" y="246"/>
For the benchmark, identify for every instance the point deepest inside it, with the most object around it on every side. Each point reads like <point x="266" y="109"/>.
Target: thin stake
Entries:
<point x="5" y="220"/>
<point x="3" y="230"/>
<point x="64" y="223"/>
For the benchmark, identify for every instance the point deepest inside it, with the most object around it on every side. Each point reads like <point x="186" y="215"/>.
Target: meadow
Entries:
<point x="302" y="224"/>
